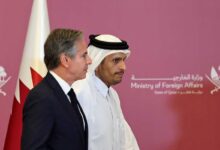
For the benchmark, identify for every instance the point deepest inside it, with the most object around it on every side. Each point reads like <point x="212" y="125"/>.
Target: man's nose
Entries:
<point x="89" y="60"/>
<point x="123" y="66"/>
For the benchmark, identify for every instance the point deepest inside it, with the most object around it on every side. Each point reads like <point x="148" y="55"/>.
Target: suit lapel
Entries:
<point x="62" y="98"/>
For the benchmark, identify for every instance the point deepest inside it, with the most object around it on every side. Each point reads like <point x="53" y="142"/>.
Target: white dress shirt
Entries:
<point x="63" y="84"/>
<point x="108" y="130"/>
<point x="66" y="88"/>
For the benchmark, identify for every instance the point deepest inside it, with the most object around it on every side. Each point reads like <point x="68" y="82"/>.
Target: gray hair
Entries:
<point x="60" y="41"/>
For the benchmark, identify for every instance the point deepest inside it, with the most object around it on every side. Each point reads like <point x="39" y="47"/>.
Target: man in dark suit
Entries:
<point x="52" y="117"/>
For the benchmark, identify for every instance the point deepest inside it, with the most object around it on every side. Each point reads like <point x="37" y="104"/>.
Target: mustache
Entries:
<point x="120" y="72"/>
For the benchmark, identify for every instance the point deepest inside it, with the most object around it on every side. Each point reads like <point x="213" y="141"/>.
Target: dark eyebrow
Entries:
<point x="120" y="57"/>
<point x="117" y="57"/>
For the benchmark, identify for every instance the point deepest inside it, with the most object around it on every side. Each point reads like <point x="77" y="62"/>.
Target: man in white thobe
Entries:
<point x="108" y="129"/>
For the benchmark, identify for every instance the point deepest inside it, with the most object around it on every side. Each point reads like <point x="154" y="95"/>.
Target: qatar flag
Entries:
<point x="32" y="69"/>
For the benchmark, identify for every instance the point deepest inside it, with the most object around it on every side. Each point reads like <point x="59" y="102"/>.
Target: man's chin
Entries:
<point x="117" y="81"/>
<point x="82" y="77"/>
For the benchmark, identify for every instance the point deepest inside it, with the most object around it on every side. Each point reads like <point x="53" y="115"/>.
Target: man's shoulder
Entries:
<point x="42" y="86"/>
<point x="81" y="86"/>
<point x="41" y="91"/>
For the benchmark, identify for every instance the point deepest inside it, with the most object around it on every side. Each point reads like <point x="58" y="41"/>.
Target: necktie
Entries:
<point x="81" y="116"/>
<point x="76" y="106"/>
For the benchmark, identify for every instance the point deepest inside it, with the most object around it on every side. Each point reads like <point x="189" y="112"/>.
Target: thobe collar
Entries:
<point x="101" y="86"/>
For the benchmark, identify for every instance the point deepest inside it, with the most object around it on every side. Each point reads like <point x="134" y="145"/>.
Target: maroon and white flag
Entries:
<point x="32" y="70"/>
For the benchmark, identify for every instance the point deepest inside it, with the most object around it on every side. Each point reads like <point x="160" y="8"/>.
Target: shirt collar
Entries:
<point x="100" y="85"/>
<point x="63" y="84"/>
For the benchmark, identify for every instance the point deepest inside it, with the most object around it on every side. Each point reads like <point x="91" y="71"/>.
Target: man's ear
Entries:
<point x="64" y="60"/>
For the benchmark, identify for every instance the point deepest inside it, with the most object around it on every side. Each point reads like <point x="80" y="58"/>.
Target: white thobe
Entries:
<point x="108" y="129"/>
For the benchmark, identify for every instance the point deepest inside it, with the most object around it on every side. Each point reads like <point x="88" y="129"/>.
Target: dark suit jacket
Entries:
<point x="49" y="120"/>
